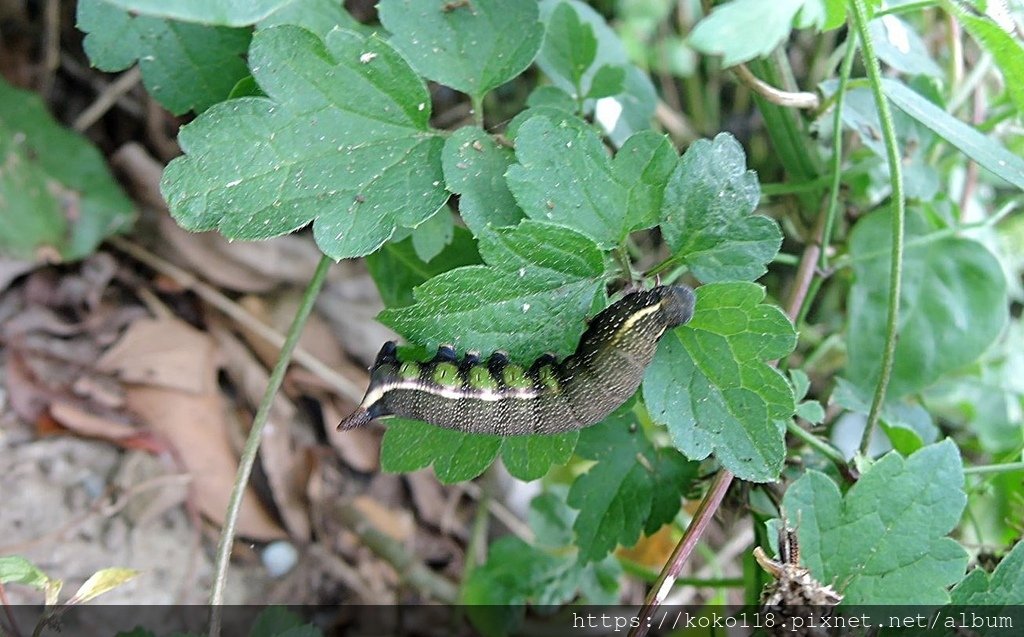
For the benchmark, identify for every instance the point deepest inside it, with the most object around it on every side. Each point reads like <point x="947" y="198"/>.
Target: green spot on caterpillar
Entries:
<point x="550" y="396"/>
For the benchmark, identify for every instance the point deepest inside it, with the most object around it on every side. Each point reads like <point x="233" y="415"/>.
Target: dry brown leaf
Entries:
<point x="278" y="312"/>
<point x="395" y="522"/>
<point x="428" y="496"/>
<point x="87" y="423"/>
<point x="652" y="550"/>
<point x="195" y="426"/>
<point x="282" y="450"/>
<point x="165" y="353"/>
<point x="359" y="448"/>
<point x="350" y="303"/>
<point x="190" y="415"/>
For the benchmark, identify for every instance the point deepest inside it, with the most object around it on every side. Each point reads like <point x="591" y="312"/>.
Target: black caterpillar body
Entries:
<point x="502" y="398"/>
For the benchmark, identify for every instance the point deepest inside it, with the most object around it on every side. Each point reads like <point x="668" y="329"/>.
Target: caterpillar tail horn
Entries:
<point x="359" y="418"/>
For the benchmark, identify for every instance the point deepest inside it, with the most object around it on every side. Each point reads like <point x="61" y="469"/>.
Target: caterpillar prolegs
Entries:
<point x="502" y="398"/>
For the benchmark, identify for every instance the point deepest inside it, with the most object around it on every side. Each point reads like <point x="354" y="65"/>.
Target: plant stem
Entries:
<point x="477" y="103"/>
<point x="252" y="443"/>
<point x="994" y="468"/>
<point x="860" y="19"/>
<point x="668" y="577"/>
<point x="837" y="152"/>
<point x="820" y="445"/>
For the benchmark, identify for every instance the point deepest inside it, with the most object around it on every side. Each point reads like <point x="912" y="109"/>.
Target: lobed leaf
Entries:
<point x="232" y="13"/>
<point x="883" y="542"/>
<point x="564" y="175"/>
<point x="539" y="283"/>
<point x="342" y="141"/>
<point x="472" y="46"/>
<point x="711" y="384"/>
<point x="742" y="30"/>
<point x="1003" y="587"/>
<point x="706" y="214"/>
<point x="185" y="66"/>
<point x="633" y="487"/>
<point x="474" y="167"/>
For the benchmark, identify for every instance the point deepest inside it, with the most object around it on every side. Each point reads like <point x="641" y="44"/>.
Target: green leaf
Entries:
<point x="860" y="113"/>
<point x="989" y="153"/>
<point x="1005" y="49"/>
<point x="540" y="283"/>
<point x="185" y="67"/>
<point x="620" y="115"/>
<point x="58" y="200"/>
<point x="410" y="445"/>
<point x="884" y="541"/>
<point x="318" y="16"/>
<point x="430" y="237"/>
<point x="397" y="269"/>
<point x="277" y="621"/>
<point x="633" y="486"/>
<point x="742" y="30"/>
<point x="706" y="214"/>
<point x="835" y="14"/>
<point x="907" y="426"/>
<point x="342" y="141"/>
<point x="474" y="167"/>
<point x="711" y="384"/>
<point x="809" y="410"/>
<point x="232" y="13"/>
<point x="547" y="574"/>
<point x="899" y="46"/>
<point x="17" y="569"/>
<point x="608" y="81"/>
<point x="471" y="46"/>
<point x="530" y="457"/>
<point x="1005" y="586"/>
<point x="952" y="304"/>
<point x="569" y="46"/>
<point x="565" y="176"/>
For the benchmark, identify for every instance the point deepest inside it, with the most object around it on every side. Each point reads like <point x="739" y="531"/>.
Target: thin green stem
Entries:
<point x="622" y="255"/>
<point x="252" y="444"/>
<point x="892" y="151"/>
<point x="994" y="468"/>
<point x="907" y="7"/>
<point x="477" y="104"/>
<point x="837" y="153"/>
<point x="817" y="443"/>
<point x="938" y="235"/>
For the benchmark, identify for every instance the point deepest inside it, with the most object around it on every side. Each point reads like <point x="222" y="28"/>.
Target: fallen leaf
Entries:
<point x="397" y="523"/>
<point x="282" y="450"/>
<point x="652" y="550"/>
<point x="89" y="423"/>
<point x="165" y="353"/>
<point x="189" y="413"/>
<point x="428" y="496"/>
<point x="359" y="448"/>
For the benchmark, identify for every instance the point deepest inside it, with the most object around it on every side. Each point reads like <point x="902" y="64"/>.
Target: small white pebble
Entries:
<point x="279" y="557"/>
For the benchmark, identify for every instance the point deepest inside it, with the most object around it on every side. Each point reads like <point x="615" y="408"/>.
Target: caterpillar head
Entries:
<point x="678" y="301"/>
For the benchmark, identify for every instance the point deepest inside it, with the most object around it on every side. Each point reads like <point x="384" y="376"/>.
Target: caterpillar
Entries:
<point x="550" y="396"/>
